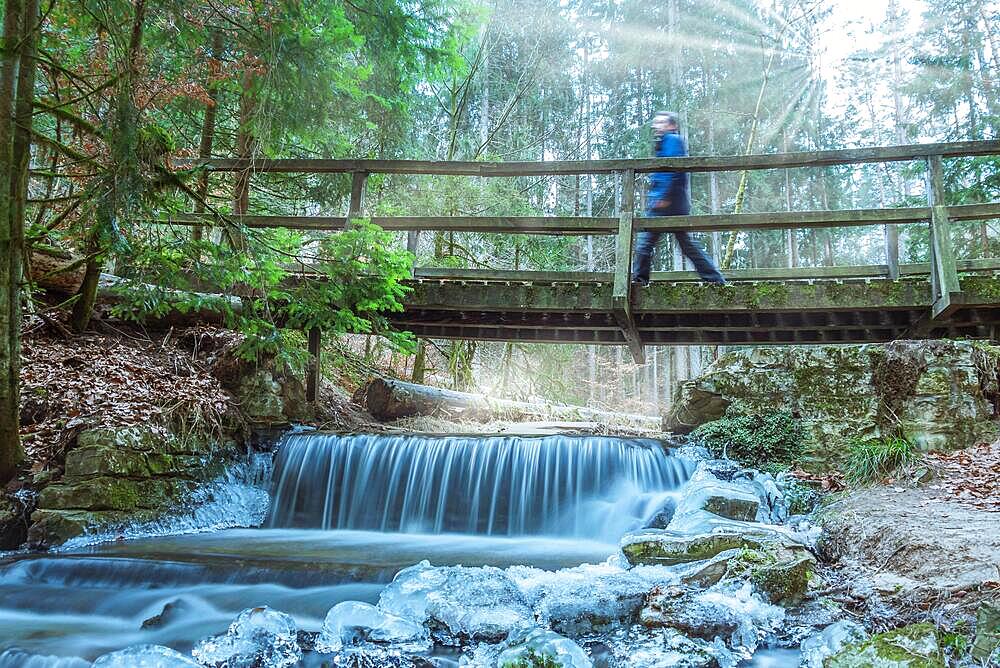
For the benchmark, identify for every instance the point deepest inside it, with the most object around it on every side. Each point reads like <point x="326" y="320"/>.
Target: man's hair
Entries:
<point x="671" y="117"/>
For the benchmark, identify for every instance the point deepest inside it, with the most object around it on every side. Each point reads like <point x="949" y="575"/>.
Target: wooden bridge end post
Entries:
<point x="946" y="288"/>
<point x="892" y="251"/>
<point x="315" y="340"/>
<point x="621" y="294"/>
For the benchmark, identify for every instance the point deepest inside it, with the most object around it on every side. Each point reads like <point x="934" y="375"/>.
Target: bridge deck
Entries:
<point x="859" y="310"/>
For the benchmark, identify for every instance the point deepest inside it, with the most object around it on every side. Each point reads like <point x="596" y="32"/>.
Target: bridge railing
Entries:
<point x="942" y="267"/>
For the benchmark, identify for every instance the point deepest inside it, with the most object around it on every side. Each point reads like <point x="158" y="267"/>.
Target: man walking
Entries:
<point x="669" y="195"/>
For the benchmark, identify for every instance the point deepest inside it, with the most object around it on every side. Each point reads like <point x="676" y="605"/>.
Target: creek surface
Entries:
<point x="345" y="514"/>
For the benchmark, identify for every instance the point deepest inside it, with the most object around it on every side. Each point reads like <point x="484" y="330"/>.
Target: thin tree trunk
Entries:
<point x="208" y="130"/>
<point x="11" y="236"/>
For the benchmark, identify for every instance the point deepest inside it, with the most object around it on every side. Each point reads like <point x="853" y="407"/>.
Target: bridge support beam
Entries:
<point x="621" y="295"/>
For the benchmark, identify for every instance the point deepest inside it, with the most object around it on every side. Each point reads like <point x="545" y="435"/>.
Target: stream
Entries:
<point x="343" y="515"/>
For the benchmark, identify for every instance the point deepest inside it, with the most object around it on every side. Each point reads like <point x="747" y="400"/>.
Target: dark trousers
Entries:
<point x="645" y="243"/>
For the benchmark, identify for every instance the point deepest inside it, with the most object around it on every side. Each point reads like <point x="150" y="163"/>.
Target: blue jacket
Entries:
<point x="674" y="186"/>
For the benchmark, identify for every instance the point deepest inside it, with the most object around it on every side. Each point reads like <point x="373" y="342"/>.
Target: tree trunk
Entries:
<point x="11" y="237"/>
<point x="393" y="399"/>
<point x="208" y="130"/>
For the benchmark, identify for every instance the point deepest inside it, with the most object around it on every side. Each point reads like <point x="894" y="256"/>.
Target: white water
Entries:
<point x="584" y="486"/>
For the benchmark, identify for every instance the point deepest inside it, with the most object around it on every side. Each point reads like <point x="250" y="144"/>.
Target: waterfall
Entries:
<point x="585" y="486"/>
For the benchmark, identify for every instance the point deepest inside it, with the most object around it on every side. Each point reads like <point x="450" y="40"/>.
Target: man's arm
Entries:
<point x="671" y="147"/>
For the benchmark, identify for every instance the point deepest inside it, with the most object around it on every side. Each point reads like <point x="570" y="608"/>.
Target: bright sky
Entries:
<point x="849" y="28"/>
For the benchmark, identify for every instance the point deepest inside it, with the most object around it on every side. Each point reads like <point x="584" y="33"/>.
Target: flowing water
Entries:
<point x="343" y="515"/>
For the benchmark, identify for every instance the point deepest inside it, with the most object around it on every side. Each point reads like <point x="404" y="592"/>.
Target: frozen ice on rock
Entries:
<point x="735" y="500"/>
<point x="353" y="622"/>
<point x="638" y="647"/>
<point x="145" y="656"/>
<point x="580" y="600"/>
<point x="257" y="638"/>
<point x="462" y="603"/>
<point x="729" y="611"/>
<point x="541" y="647"/>
<point x="816" y="649"/>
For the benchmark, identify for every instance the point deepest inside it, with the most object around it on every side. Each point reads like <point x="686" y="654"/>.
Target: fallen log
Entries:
<point x="388" y="399"/>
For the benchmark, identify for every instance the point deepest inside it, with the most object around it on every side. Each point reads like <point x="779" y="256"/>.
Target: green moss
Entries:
<point x="914" y="646"/>
<point x="754" y="438"/>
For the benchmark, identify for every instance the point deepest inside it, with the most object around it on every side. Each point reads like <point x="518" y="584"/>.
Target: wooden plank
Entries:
<point x="691" y="164"/>
<point x="572" y="225"/>
<point x="315" y="339"/>
<point x="621" y="293"/>
<point x="762" y="274"/>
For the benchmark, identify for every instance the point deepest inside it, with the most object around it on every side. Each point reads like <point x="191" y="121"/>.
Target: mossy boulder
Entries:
<point x="914" y="646"/>
<point x="781" y="572"/>
<point x="987" y="640"/>
<point x="670" y="547"/>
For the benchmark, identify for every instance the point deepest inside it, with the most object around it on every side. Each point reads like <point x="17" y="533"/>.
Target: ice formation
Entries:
<point x="257" y="638"/>
<point x="144" y="656"/>
<point x="538" y="645"/>
<point x="354" y="623"/>
<point x="463" y="603"/>
<point x="829" y="641"/>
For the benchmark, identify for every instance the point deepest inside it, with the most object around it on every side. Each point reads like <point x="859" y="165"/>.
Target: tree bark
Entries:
<point x="11" y="236"/>
<point x="208" y="131"/>
<point x="389" y="399"/>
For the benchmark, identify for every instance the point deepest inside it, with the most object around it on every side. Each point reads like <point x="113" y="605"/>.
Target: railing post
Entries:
<point x="621" y="295"/>
<point x="945" y="287"/>
<point x="892" y="251"/>
<point x="356" y="209"/>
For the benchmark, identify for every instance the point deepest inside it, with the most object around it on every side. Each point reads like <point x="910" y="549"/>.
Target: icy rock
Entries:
<point x="352" y="622"/>
<point x="577" y="601"/>
<point x="706" y="573"/>
<point x="664" y="648"/>
<point x="668" y="546"/>
<point x="830" y="641"/>
<point x="726" y="499"/>
<point x="663" y="516"/>
<point x="257" y="638"/>
<point x="727" y="611"/>
<point x="144" y="656"/>
<point x="914" y="646"/>
<point x="541" y="647"/>
<point x="461" y="603"/>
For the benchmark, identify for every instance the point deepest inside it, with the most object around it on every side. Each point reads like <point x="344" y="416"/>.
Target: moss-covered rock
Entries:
<point x="987" y="640"/>
<point x="914" y="646"/>
<point x="670" y="547"/>
<point x="938" y="394"/>
<point x="98" y="460"/>
<point x="781" y="572"/>
<point x="108" y="493"/>
<point x="53" y="527"/>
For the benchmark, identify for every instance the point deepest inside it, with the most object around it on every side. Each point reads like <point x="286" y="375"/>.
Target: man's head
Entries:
<point x="665" y="121"/>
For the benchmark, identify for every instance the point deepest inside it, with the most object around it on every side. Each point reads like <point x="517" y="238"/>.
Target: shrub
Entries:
<point x="761" y="440"/>
<point x="875" y="459"/>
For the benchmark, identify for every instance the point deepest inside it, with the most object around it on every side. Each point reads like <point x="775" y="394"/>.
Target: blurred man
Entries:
<point x="669" y="195"/>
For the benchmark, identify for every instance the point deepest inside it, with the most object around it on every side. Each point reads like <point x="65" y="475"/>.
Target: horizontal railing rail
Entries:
<point x="639" y="165"/>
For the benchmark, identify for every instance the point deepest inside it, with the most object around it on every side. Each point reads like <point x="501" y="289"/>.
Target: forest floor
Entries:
<point x="920" y="549"/>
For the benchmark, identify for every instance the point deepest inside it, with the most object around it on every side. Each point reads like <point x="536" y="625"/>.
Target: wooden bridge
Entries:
<point x="943" y="298"/>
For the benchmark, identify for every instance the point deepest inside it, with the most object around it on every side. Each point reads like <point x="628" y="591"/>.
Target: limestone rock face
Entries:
<point x="940" y="393"/>
<point x="117" y="476"/>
